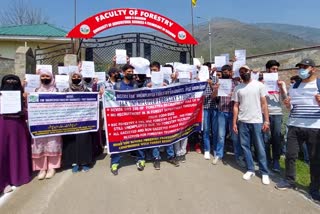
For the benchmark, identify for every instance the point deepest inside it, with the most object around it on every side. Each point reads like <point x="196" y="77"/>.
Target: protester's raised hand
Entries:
<point x="149" y="85"/>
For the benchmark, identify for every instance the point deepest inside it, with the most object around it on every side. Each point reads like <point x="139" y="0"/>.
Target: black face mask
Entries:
<point x="129" y="76"/>
<point x="76" y="81"/>
<point x="87" y="80"/>
<point x="245" y="77"/>
<point x="225" y="76"/>
<point x="46" y="81"/>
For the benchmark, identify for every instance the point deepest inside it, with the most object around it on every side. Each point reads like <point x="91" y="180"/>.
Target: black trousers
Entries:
<point x="296" y="136"/>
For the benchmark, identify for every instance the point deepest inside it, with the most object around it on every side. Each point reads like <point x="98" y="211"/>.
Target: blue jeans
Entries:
<point x="274" y="138"/>
<point x="115" y="158"/>
<point x="246" y="132"/>
<point x="210" y="128"/>
<point x="225" y="123"/>
<point x="169" y="151"/>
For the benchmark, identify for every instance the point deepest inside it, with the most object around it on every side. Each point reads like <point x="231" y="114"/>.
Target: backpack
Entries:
<point x="296" y="84"/>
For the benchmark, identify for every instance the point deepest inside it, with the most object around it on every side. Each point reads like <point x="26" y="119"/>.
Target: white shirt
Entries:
<point x="249" y="98"/>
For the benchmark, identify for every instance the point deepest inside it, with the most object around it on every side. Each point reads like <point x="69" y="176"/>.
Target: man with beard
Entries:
<point x="249" y="104"/>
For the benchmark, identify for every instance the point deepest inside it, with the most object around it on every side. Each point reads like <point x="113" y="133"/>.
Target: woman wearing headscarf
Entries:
<point x="15" y="154"/>
<point x="46" y="151"/>
<point x="78" y="148"/>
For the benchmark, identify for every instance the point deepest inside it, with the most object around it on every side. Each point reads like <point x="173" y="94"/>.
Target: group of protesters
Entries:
<point x="250" y="117"/>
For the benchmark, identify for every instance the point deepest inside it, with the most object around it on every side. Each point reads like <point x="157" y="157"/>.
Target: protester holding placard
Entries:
<point x="15" y="145"/>
<point x="46" y="151"/>
<point x="78" y="148"/>
<point x="304" y="125"/>
<point x="127" y="84"/>
<point x="249" y="104"/>
<point x="225" y="117"/>
<point x="274" y="100"/>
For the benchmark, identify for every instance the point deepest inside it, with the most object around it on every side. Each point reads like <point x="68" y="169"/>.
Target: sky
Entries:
<point x="61" y="12"/>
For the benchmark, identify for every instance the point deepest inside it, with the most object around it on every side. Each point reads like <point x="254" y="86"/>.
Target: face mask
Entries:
<point x="46" y="81"/>
<point x="76" y="81"/>
<point x="129" y="76"/>
<point x="225" y="76"/>
<point x="245" y="77"/>
<point x="304" y="73"/>
<point x="87" y="80"/>
<point x="120" y="76"/>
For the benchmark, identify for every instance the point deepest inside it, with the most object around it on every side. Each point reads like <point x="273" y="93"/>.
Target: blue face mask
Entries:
<point x="304" y="73"/>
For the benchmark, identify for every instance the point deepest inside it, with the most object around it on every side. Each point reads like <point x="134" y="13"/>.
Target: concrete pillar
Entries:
<point x="70" y="59"/>
<point x="24" y="62"/>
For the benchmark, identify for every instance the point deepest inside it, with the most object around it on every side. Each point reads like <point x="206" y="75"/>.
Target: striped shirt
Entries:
<point x="305" y="110"/>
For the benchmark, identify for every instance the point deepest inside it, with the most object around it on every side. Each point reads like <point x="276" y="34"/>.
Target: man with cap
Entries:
<point x="304" y="125"/>
<point x="250" y="104"/>
<point x="275" y="116"/>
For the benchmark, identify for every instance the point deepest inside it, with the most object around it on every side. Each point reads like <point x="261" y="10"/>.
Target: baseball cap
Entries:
<point x="246" y="67"/>
<point x="308" y="62"/>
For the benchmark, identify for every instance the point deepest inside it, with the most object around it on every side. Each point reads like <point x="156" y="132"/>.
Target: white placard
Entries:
<point x="302" y="96"/>
<point x="203" y="73"/>
<point x="220" y="61"/>
<point x="32" y="82"/>
<point x="236" y="66"/>
<point x="227" y="57"/>
<point x="10" y="102"/>
<point x="167" y="71"/>
<point x="44" y="68"/>
<point x="157" y="79"/>
<point x="62" y="82"/>
<point x="121" y="56"/>
<point x="101" y="76"/>
<point x="140" y="64"/>
<point x="196" y="62"/>
<point x="271" y="81"/>
<point x="254" y="75"/>
<point x="241" y="55"/>
<point x="225" y="87"/>
<point x="87" y="69"/>
<point x="184" y="75"/>
<point x="63" y="70"/>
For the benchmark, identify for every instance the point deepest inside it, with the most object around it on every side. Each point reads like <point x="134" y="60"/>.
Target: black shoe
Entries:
<point x="183" y="158"/>
<point x="315" y="195"/>
<point x="284" y="185"/>
<point x="173" y="161"/>
<point x="156" y="164"/>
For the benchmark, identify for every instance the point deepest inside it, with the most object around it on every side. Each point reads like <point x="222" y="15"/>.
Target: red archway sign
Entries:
<point x="131" y="16"/>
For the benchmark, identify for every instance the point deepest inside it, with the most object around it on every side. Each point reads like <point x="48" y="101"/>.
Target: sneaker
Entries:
<point x="156" y="164"/>
<point x="42" y="174"/>
<point x="284" y="185"/>
<point x="265" y="179"/>
<point x="85" y="168"/>
<point x="276" y="166"/>
<point x="248" y="175"/>
<point x="114" y="169"/>
<point x="207" y="155"/>
<point x="75" y="168"/>
<point x="50" y="173"/>
<point x="173" y="161"/>
<point x="8" y="189"/>
<point x="197" y="148"/>
<point x="241" y="163"/>
<point x="141" y="164"/>
<point x="215" y="160"/>
<point x="183" y="158"/>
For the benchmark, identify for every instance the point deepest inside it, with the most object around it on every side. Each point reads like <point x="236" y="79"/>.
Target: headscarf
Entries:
<point x="74" y="87"/>
<point x="46" y="88"/>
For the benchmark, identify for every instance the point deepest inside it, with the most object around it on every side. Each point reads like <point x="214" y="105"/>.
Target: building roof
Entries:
<point x="36" y="30"/>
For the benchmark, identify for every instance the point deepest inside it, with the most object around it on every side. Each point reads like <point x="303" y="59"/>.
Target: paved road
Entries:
<point x="196" y="186"/>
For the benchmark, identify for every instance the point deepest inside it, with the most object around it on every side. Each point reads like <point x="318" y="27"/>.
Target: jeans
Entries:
<point x="274" y="139"/>
<point x="246" y="132"/>
<point x="296" y="136"/>
<point x="169" y="151"/>
<point x="210" y="128"/>
<point x="115" y="158"/>
<point x="225" y="123"/>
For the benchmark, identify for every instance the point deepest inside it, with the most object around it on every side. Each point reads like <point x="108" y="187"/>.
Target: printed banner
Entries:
<point x="145" y="118"/>
<point x="131" y="16"/>
<point x="51" y="114"/>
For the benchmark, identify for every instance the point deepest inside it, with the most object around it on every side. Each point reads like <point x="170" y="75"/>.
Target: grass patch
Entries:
<point x="302" y="173"/>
